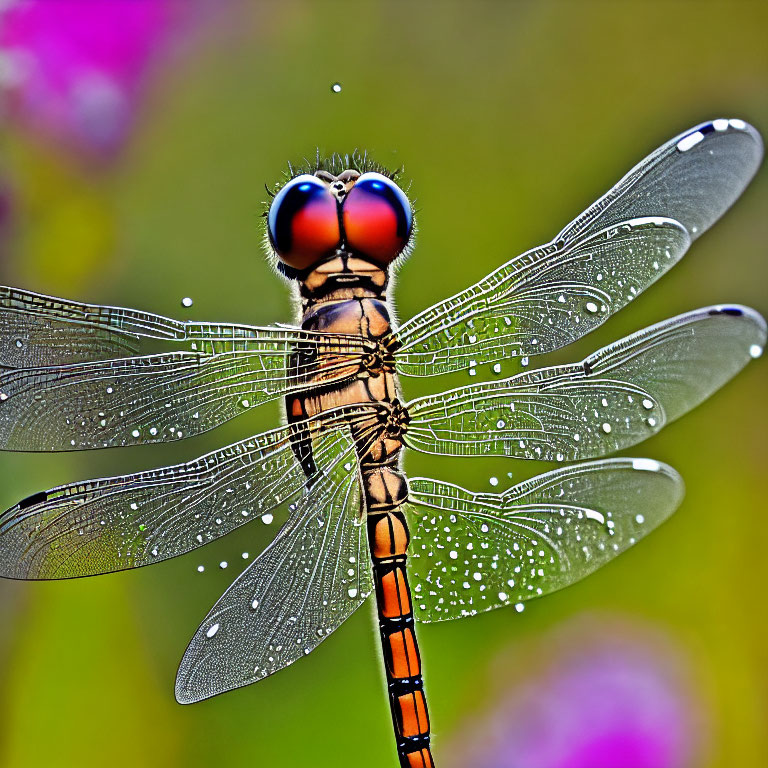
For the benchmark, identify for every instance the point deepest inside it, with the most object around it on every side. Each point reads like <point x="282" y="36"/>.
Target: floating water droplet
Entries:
<point x="606" y="427"/>
<point x="519" y="607"/>
<point x="245" y="403"/>
<point x="223" y="564"/>
<point x="497" y="368"/>
<point x="647" y="404"/>
<point x="493" y="480"/>
<point x="212" y="630"/>
<point x="135" y="433"/>
<point x="591" y="307"/>
<point x="245" y="555"/>
<point x="187" y="302"/>
<point x="503" y="596"/>
<point x="267" y="519"/>
<point x="336" y="88"/>
<point x="639" y="519"/>
<point x="3" y="396"/>
<point x="352" y="592"/>
<point x="200" y="568"/>
<point x="453" y="554"/>
<point x="254" y="604"/>
<point x="754" y="351"/>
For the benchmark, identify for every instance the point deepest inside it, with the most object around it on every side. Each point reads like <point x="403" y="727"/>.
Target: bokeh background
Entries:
<point x="137" y="138"/>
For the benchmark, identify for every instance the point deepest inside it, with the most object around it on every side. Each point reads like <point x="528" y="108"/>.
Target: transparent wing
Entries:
<point x="156" y="398"/>
<point x="115" y="523"/>
<point x="472" y="552"/>
<point x="57" y="393"/>
<point x="615" y="398"/>
<point x="552" y="295"/>
<point x="312" y="577"/>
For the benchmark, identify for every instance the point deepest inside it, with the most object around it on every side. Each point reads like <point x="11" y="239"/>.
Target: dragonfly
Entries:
<point x="78" y="376"/>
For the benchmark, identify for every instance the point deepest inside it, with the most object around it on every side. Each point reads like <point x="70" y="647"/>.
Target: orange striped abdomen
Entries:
<point x="385" y="490"/>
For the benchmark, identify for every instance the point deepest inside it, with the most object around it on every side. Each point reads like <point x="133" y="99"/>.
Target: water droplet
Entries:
<point x="754" y="351"/>
<point x="212" y="630"/>
<point x="493" y="480"/>
<point x="223" y="564"/>
<point x="352" y="592"/>
<point x="640" y="519"/>
<point x="497" y="368"/>
<point x="591" y="307"/>
<point x="245" y="555"/>
<point x="245" y="403"/>
<point x="336" y="88"/>
<point x="453" y="554"/>
<point x="135" y="433"/>
<point x="519" y="607"/>
<point x="200" y="568"/>
<point x="267" y="519"/>
<point x="3" y="396"/>
<point x="606" y="427"/>
<point x="503" y="596"/>
<point x="187" y="302"/>
<point x="647" y="404"/>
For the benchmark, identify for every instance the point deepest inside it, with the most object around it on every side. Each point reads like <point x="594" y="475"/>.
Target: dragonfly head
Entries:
<point x="360" y="215"/>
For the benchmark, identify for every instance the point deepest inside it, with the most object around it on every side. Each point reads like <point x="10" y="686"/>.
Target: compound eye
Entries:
<point x="303" y="222"/>
<point x="377" y="218"/>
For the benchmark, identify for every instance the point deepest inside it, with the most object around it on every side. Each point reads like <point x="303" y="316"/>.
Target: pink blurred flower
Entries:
<point x="602" y="699"/>
<point x="75" y="69"/>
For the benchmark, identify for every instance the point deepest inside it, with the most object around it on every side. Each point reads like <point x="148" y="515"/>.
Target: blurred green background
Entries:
<point x="509" y="118"/>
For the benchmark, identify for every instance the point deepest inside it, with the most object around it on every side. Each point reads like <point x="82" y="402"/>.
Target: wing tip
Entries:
<point x="746" y="314"/>
<point x="718" y="127"/>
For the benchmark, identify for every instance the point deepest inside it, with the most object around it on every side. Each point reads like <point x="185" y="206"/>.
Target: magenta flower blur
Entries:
<point x="600" y="701"/>
<point x="74" y="69"/>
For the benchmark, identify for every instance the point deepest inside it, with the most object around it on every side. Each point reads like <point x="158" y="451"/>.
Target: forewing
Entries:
<point x="613" y="399"/>
<point x="312" y="577"/>
<point x="552" y="295"/>
<point x="60" y="391"/>
<point x="115" y="523"/>
<point x="155" y="398"/>
<point x="473" y="552"/>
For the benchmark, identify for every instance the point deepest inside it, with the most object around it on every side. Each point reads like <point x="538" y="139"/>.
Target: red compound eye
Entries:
<point x="377" y="218"/>
<point x="303" y="222"/>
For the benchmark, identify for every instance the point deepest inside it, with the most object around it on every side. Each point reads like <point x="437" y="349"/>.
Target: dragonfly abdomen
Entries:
<point x="385" y="490"/>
